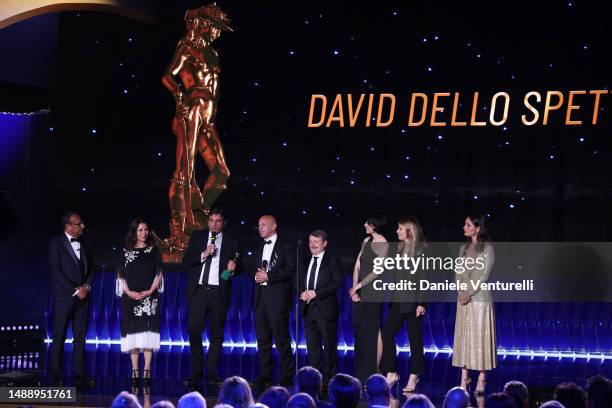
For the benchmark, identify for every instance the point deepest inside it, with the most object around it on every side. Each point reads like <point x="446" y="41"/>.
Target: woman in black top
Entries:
<point x="139" y="282"/>
<point x="366" y="315"/>
<point x="412" y="244"/>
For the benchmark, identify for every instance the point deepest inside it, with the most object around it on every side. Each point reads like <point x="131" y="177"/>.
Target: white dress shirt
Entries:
<point x="76" y="246"/>
<point x="213" y="276"/>
<point x="319" y="260"/>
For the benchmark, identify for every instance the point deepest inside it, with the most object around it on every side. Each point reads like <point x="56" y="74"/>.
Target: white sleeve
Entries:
<point x="119" y="287"/>
<point x="160" y="288"/>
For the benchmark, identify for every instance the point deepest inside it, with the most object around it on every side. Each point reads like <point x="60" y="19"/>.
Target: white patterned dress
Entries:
<point x="138" y="268"/>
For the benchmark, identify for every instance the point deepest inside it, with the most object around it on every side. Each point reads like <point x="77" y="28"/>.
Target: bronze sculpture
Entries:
<point x="193" y="79"/>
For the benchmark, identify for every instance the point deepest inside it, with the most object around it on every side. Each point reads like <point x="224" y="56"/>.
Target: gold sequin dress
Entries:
<point x="475" y="345"/>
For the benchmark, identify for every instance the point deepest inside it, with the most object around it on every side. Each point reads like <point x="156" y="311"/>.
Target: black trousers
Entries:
<point x="206" y="304"/>
<point x="395" y="318"/>
<point x="77" y="312"/>
<point x="321" y="332"/>
<point x="366" y="325"/>
<point x="271" y="323"/>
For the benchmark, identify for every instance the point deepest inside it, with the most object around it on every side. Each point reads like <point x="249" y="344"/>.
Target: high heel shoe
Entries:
<point x="146" y="378"/>
<point x="409" y="389"/>
<point x="480" y="387"/>
<point x="135" y="378"/>
<point x="392" y="378"/>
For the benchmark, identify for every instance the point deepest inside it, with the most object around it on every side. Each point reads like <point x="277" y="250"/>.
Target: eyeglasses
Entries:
<point x="78" y="223"/>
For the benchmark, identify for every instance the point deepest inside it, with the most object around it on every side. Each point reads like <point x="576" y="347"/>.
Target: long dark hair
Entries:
<point x="130" y="238"/>
<point x="483" y="235"/>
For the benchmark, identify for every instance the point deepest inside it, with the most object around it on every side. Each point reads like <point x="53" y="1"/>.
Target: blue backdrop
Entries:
<point x="566" y="328"/>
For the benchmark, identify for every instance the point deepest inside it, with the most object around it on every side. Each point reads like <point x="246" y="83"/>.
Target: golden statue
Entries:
<point x="193" y="79"/>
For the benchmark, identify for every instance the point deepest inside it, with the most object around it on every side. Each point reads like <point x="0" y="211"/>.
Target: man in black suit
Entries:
<point x="72" y="274"/>
<point x="272" y="302"/>
<point x="209" y="292"/>
<point x="318" y="287"/>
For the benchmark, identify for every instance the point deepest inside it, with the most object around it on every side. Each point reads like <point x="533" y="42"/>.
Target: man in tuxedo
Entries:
<point x="272" y="302"/>
<point x="319" y="305"/>
<point x="209" y="292"/>
<point x="72" y="275"/>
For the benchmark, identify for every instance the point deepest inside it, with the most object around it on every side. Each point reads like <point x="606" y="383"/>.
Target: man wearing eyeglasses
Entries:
<point x="72" y="275"/>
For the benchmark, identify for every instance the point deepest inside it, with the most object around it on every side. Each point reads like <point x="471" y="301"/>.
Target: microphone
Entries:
<point x="213" y="239"/>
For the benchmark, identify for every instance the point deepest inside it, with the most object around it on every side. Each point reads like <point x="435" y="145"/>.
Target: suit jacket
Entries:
<point x="65" y="269"/>
<point x="280" y="275"/>
<point x="329" y="282"/>
<point x="192" y="262"/>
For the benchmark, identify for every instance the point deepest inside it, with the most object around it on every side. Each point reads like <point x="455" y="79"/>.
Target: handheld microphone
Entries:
<point x="213" y="239"/>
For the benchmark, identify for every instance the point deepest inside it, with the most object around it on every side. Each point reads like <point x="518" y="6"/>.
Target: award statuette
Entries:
<point x="226" y="274"/>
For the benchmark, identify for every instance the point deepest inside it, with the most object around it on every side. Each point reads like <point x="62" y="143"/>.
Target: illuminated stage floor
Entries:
<point x="111" y="369"/>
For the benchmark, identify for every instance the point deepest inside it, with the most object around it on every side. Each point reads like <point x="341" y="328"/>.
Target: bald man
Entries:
<point x="272" y="302"/>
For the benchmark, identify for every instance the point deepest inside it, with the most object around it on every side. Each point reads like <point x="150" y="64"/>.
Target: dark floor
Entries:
<point x="171" y="365"/>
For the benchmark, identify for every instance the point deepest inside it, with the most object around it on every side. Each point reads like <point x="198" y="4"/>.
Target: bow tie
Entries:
<point x="75" y="240"/>
<point x="267" y="242"/>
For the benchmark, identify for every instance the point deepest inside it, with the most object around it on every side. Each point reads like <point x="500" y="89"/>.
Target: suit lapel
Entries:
<point x="68" y="247"/>
<point x="273" y="255"/>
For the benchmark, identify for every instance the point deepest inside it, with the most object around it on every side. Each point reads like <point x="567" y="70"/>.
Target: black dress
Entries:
<point x="138" y="268"/>
<point x="366" y="322"/>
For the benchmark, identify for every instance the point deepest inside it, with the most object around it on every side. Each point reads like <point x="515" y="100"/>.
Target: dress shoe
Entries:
<point x="83" y="380"/>
<point x="286" y="381"/>
<point x="57" y="380"/>
<point x="214" y="379"/>
<point x="194" y="379"/>
<point x="262" y="382"/>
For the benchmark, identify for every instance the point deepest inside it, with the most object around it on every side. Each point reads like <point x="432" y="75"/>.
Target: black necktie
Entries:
<point x="267" y="242"/>
<point x="74" y="240"/>
<point x="313" y="271"/>
<point x="208" y="262"/>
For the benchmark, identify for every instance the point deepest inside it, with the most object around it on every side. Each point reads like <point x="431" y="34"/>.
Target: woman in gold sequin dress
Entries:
<point x="474" y="345"/>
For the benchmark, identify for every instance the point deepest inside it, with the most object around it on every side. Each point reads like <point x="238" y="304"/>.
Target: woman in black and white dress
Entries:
<point x="139" y="282"/>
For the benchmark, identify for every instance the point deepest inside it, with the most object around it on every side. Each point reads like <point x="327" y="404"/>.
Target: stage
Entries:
<point x="111" y="370"/>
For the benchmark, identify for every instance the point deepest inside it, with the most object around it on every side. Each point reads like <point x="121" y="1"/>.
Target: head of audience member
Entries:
<point x="499" y="400"/>
<point x="309" y="380"/>
<point x="570" y="395"/>
<point x="301" y="400"/>
<point x="599" y="391"/>
<point x="235" y="391"/>
<point x="221" y="406"/>
<point x="377" y="390"/>
<point x="192" y="400"/>
<point x="519" y="393"/>
<point x="275" y="397"/>
<point x="125" y="400"/>
<point x="552" y="404"/>
<point x="375" y="225"/>
<point x="456" y="397"/>
<point x="317" y="241"/>
<point x="344" y="391"/>
<point x="256" y="405"/>
<point x="163" y="404"/>
<point x="266" y="226"/>
<point x="72" y="223"/>
<point x="418" y="401"/>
